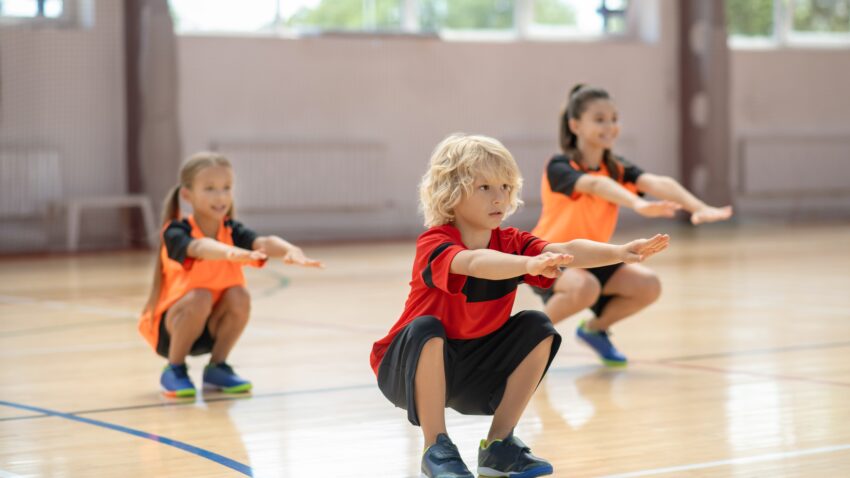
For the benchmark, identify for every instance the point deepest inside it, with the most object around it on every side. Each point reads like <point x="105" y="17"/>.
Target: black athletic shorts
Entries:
<point x="603" y="275"/>
<point x="477" y="370"/>
<point x="203" y="345"/>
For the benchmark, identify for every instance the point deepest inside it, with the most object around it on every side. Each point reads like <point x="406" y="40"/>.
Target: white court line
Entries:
<point x="59" y="305"/>
<point x="8" y="474"/>
<point x="732" y="461"/>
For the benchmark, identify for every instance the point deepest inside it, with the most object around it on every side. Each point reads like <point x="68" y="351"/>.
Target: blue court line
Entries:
<point x="178" y="403"/>
<point x="740" y="353"/>
<point x="215" y="457"/>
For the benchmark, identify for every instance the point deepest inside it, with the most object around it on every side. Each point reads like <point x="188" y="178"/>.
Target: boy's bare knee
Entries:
<point x="651" y="289"/>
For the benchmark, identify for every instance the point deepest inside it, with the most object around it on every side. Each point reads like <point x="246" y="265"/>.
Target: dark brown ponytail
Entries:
<point x="579" y="97"/>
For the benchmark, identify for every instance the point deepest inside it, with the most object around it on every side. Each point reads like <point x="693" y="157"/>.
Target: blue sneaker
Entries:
<point x="175" y="382"/>
<point x="510" y="457"/>
<point x="599" y="341"/>
<point x="221" y="376"/>
<point x="442" y="460"/>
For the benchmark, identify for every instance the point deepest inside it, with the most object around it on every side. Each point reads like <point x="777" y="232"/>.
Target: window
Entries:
<point x="510" y="19"/>
<point x="788" y="22"/>
<point x="578" y="17"/>
<point x="31" y="9"/>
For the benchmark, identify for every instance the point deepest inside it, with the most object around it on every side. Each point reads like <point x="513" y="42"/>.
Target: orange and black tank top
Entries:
<point x="181" y="273"/>
<point x="568" y="214"/>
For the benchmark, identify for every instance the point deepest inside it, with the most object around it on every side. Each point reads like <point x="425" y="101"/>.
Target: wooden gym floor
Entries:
<point x="741" y="369"/>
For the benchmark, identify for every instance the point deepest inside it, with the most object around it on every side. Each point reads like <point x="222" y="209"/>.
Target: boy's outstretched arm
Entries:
<point x="495" y="265"/>
<point x="589" y="253"/>
<point x="614" y="192"/>
<point x="664" y="187"/>
<point x="277" y="247"/>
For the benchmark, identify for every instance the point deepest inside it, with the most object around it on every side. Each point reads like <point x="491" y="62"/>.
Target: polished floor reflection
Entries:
<point x="741" y="369"/>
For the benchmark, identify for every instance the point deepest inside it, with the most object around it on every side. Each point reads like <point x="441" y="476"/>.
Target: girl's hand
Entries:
<point x="657" y="208"/>
<point x="237" y="254"/>
<point x="640" y="249"/>
<point x="296" y="257"/>
<point x="711" y="214"/>
<point x="547" y="264"/>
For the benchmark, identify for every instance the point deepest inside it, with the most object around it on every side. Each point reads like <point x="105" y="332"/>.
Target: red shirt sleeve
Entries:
<point x="435" y="251"/>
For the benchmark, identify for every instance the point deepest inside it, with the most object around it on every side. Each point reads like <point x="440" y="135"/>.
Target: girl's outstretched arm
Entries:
<point x="668" y="188"/>
<point x="589" y="253"/>
<point x="275" y="246"/>
<point x="614" y="192"/>
<point x="210" y="249"/>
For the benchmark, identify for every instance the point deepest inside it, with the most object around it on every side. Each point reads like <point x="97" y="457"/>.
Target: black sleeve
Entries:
<point x="242" y="236"/>
<point x="176" y="238"/>
<point x="631" y="173"/>
<point x="562" y="176"/>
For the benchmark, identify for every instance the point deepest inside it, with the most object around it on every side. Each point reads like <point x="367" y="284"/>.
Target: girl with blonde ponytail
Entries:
<point x="198" y="303"/>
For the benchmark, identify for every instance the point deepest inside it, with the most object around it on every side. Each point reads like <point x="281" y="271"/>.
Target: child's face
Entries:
<point x="486" y="206"/>
<point x="597" y="125"/>
<point x="211" y="192"/>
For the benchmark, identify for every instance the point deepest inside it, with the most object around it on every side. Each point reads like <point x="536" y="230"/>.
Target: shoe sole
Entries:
<point x="606" y="362"/>
<point x="244" y="388"/>
<point x="185" y="393"/>
<point x="485" y="472"/>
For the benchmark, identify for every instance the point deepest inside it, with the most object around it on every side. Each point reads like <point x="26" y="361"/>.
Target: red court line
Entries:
<point x="706" y="368"/>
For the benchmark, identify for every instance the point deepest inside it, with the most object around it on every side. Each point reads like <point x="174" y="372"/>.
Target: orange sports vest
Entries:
<point x="178" y="279"/>
<point x="579" y="215"/>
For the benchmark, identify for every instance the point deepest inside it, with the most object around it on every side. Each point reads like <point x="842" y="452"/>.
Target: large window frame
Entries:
<point x="523" y="27"/>
<point x="785" y="36"/>
<point x="75" y="13"/>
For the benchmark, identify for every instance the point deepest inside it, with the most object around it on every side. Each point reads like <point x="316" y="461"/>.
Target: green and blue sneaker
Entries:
<point x="598" y="340"/>
<point x="220" y="376"/>
<point x="442" y="460"/>
<point x="510" y="457"/>
<point x="175" y="382"/>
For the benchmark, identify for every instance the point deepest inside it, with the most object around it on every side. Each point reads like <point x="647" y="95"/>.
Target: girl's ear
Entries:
<point x="185" y="194"/>
<point x="573" y="125"/>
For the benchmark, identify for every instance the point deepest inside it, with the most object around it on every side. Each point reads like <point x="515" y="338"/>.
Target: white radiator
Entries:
<point x="30" y="181"/>
<point x="307" y="176"/>
<point x="772" y="165"/>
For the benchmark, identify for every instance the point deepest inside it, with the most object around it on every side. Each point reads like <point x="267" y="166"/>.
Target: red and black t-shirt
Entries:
<point x="468" y="307"/>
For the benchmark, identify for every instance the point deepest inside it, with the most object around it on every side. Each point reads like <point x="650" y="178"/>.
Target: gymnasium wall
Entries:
<point x="402" y="95"/>
<point x="374" y="107"/>
<point x="63" y="92"/>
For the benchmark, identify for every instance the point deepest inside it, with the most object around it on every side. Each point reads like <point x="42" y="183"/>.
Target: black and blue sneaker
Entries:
<point x="598" y="340"/>
<point x="442" y="460"/>
<point x="176" y="383"/>
<point x="220" y="376"/>
<point x="510" y="457"/>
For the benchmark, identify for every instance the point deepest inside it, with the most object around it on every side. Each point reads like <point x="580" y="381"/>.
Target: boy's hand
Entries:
<point x="640" y="249"/>
<point x="296" y="257"/>
<point x="547" y="264"/>
<point x="656" y="208"/>
<point x="711" y="214"/>
<point x="237" y="254"/>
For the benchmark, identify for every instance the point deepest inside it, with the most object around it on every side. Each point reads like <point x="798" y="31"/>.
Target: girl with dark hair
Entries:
<point x="582" y="190"/>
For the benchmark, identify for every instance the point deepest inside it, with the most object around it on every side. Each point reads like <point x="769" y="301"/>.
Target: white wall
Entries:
<point x="791" y="132"/>
<point x="407" y="94"/>
<point x="63" y="90"/>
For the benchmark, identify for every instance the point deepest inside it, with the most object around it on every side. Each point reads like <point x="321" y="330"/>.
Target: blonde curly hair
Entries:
<point x="454" y="165"/>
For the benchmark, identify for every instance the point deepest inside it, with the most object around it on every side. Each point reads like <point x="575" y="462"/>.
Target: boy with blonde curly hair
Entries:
<point x="456" y="343"/>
